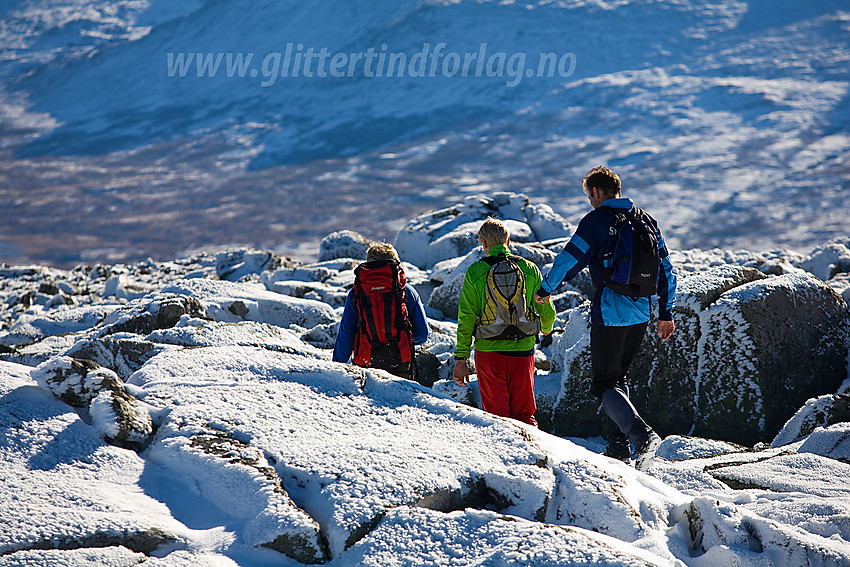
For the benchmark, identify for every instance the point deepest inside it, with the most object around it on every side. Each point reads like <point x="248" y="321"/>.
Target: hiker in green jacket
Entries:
<point x="497" y="310"/>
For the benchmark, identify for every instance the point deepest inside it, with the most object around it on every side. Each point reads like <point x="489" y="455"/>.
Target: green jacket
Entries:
<point x="473" y="297"/>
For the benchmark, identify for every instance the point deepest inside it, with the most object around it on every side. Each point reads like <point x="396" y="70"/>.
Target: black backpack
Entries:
<point x="631" y="262"/>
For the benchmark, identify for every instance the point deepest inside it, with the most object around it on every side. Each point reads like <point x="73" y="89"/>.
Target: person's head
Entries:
<point x="381" y="251"/>
<point x="601" y="184"/>
<point x="493" y="232"/>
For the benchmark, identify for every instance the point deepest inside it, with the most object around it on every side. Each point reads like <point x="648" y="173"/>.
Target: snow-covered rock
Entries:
<point x="236" y="478"/>
<point x="232" y="302"/>
<point x="452" y="232"/>
<point x="63" y="488"/>
<point x="828" y="260"/>
<point x="344" y="244"/>
<point x="76" y="382"/>
<point x="446" y="297"/>
<point x="81" y="383"/>
<point x="482" y="537"/>
<point x="233" y="265"/>
<point x="832" y="442"/>
<point x="678" y="447"/>
<point x="722" y="534"/>
<point x="122" y="353"/>
<point x="817" y="412"/>
<point x="340" y="441"/>
<point x="737" y="330"/>
<point x="145" y="315"/>
<point x="201" y="333"/>
<point x="31" y="328"/>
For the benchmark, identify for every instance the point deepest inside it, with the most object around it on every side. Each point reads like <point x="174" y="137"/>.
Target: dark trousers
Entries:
<point x="612" y="350"/>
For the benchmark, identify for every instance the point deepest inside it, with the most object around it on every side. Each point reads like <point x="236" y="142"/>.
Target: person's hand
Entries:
<point x="541" y="299"/>
<point x="461" y="372"/>
<point x="665" y="329"/>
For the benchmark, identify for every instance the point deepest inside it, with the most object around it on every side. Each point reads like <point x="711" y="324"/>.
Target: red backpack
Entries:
<point x="384" y="339"/>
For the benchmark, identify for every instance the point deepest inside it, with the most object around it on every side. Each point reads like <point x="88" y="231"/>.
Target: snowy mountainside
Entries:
<point x="727" y="119"/>
<point x="187" y="413"/>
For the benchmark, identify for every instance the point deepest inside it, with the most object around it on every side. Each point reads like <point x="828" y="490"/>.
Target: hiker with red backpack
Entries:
<point x="629" y="263"/>
<point x="497" y="311"/>
<point x="383" y="318"/>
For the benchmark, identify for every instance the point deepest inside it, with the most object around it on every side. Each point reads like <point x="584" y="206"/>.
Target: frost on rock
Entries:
<point x="832" y="442"/>
<point x="238" y="480"/>
<point x="723" y="534"/>
<point x="233" y="265"/>
<point x="829" y="260"/>
<point x="474" y="537"/>
<point x="448" y="233"/>
<point x="144" y="315"/>
<point x="124" y="354"/>
<point x="114" y="556"/>
<point x="344" y="244"/>
<point x="747" y="352"/>
<point x="795" y="472"/>
<point x="63" y="488"/>
<point x="121" y="419"/>
<point x="816" y="412"/>
<point x="81" y="383"/>
<point x="232" y="302"/>
<point x="76" y="382"/>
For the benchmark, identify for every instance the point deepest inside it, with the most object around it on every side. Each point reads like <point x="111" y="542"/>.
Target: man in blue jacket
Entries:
<point x="376" y="326"/>
<point x="618" y="322"/>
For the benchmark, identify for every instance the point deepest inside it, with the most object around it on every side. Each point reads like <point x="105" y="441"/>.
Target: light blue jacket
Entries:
<point x="586" y="247"/>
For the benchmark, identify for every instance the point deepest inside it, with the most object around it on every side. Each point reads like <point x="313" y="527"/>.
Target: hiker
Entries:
<point x="498" y="310"/>
<point x="620" y="309"/>
<point x="383" y="316"/>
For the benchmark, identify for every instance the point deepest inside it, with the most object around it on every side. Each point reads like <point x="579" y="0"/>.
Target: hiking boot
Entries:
<point x="646" y="452"/>
<point x="619" y="452"/>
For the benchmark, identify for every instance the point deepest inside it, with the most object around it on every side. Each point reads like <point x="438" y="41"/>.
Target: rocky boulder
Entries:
<point x="343" y="244"/>
<point x="232" y="302"/>
<point x="145" y="315"/>
<point x="119" y="416"/>
<point x="446" y="297"/>
<point x="832" y="442"/>
<point x="239" y="480"/>
<point x="234" y="265"/>
<point x="121" y="354"/>
<point x="822" y="411"/>
<point x="748" y="351"/>
<point x="452" y="232"/>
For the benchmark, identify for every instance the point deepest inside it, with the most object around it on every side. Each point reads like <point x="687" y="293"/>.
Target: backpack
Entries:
<point x="384" y="337"/>
<point x="506" y="314"/>
<point x="631" y="263"/>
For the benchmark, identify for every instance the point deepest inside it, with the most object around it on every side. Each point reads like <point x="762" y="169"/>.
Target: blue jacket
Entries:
<point x="348" y="327"/>
<point x="586" y="248"/>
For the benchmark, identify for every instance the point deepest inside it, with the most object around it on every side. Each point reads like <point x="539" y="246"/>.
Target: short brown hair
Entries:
<point x="603" y="179"/>
<point x="494" y="232"/>
<point x="381" y="251"/>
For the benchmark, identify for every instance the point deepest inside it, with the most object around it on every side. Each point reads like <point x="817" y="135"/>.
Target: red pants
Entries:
<point x="507" y="385"/>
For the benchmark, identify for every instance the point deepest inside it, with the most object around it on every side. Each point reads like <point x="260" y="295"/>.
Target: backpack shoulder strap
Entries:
<point x="493" y="260"/>
<point x="617" y="214"/>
